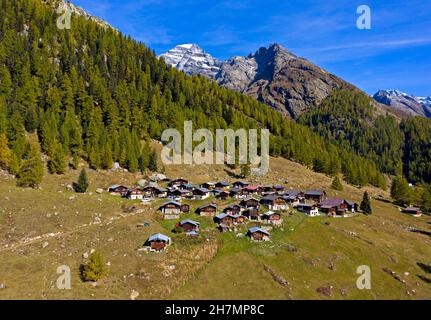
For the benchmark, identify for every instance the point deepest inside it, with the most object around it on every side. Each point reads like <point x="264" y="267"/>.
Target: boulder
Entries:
<point x="99" y="190"/>
<point x="134" y="294"/>
<point x="157" y="177"/>
<point x="142" y="183"/>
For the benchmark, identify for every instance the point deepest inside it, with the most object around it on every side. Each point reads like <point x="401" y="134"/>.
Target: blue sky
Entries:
<point x="394" y="54"/>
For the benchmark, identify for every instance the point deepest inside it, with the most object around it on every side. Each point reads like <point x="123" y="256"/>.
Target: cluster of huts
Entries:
<point x="250" y="199"/>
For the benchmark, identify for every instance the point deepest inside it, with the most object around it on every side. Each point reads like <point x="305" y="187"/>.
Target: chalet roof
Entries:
<point x="279" y="187"/>
<point x="192" y="233"/>
<point x="171" y="202"/>
<point x="293" y="193"/>
<point x="209" y="183"/>
<point x="350" y="203"/>
<point x="188" y="185"/>
<point x="221" y="216"/>
<point x="314" y="192"/>
<point x="195" y="223"/>
<point x="257" y="229"/>
<point x="252" y="188"/>
<point x="235" y="190"/>
<point x="271" y="197"/>
<point x="159" y="237"/>
<point x="208" y="205"/>
<point x="269" y="213"/>
<point x="203" y="190"/>
<point x="331" y="202"/>
<point x="250" y="198"/>
<point x="223" y="183"/>
<point x="243" y="183"/>
<point x="412" y="209"/>
<point x="115" y="186"/>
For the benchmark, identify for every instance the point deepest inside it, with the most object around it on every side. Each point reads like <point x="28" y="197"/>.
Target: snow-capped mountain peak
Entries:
<point x="192" y="59"/>
<point x="406" y="103"/>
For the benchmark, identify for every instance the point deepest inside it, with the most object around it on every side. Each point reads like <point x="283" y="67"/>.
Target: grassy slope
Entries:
<point x="223" y="267"/>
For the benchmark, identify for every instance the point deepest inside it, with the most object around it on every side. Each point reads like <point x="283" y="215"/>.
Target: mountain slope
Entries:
<point x="404" y="103"/>
<point x="273" y="75"/>
<point x="278" y="78"/>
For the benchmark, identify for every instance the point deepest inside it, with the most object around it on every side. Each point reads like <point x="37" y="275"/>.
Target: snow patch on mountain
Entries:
<point x="403" y="102"/>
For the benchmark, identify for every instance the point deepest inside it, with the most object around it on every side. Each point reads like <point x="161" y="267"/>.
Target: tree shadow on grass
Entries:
<point x="425" y="267"/>
<point x="424" y="279"/>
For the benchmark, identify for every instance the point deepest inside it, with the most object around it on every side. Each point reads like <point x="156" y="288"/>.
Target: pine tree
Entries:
<point x="153" y="161"/>
<point x="82" y="185"/>
<point x="401" y="191"/>
<point x="336" y="184"/>
<point x="245" y="170"/>
<point x="366" y="204"/>
<point x="95" y="269"/>
<point x="75" y="161"/>
<point x="5" y="152"/>
<point x="57" y="163"/>
<point x="30" y="173"/>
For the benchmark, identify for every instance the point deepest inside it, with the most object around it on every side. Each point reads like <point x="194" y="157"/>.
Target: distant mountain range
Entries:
<point x="272" y="75"/>
<point x="284" y="81"/>
<point x="402" y="102"/>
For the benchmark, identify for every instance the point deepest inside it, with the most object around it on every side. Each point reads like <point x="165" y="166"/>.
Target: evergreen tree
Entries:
<point x="57" y="163"/>
<point x="82" y="185"/>
<point x="5" y="152"/>
<point x="95" y="269"/>
<point x="30" y="173"/>
<point x="336" y="184"/>
<point x="75" y="161"/>
<point x="366" y="204"/>
<point x="153" y="161"/>
<point x="401" y="191"/>
<point x="245" y="170"/>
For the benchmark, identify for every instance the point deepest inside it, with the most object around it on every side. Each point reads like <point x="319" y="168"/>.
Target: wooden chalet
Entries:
<point x="233" y="209"/>
<point x="177" y="182"/>
<point x="273" y="218"/>
<point x="208" y="185"/>
<point x="414" y="211"/>
<point x="222" y="185"/>
<point x="201" y="193"/>
<point x="134" y="194"/>
<point x="274" y="202"/>
<point x="250" y="203"/>
<point x="177" y="193"/>
<point x="117" y="190"/>
<point x="315" y="195"/>
<point x="222" y="195"/>
<point x="258" y="234"/>
<point x="251" y="214"/>
<point x="189" y="225"/>
<point x="240" y="184"/>
<point x="171" y="207"/>
<point x="207" y="210"/>
<point x="238" y="193"/>
<point x="310" y="209"/>
<point x="158" y="242"/>
<point x="155" y="192"/>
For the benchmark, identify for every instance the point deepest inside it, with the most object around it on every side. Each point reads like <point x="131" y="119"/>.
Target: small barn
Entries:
<point x="223" y="195"/>
<point x="414" y="211"/>
<point x="158" y="242"/>
<point x="273" y="218"/>
<point x="258" y="234"/>
<point x="309" y="209"/>
<point x="134" y="194"/>
<point x="189" y="225"/>
<point x="117" y="190"/>
<point x="155" y="192"/>
<point x="250" y="203"/>
<point x="171" y="207"/>
<point x="232" y="209"/>
<point x="240" y="184"/>
<point x="274" y="202"/>
<point x="177" y="182"/>
<point x="315" y="195"/>
<point x="251" y="214"/>
<point x="222" y="185"/>
<point x="201" y="193"/>
<point x="207" y="210"/>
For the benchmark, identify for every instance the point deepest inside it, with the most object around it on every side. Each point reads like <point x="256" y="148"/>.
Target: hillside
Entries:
<point x="91" y="93"/>
<point x="310" y="253"/>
